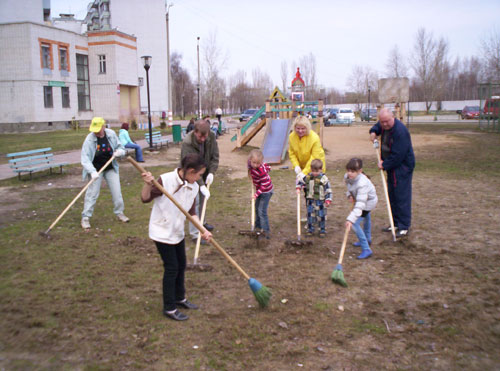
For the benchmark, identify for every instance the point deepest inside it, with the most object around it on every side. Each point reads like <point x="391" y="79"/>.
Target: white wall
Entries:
<point x="21" y="11"/>
<point x="22" y="78"/>
<point x="147" y="23"/>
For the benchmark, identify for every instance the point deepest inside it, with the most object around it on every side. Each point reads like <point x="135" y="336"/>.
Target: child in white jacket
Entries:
<point x="360" y="191"/>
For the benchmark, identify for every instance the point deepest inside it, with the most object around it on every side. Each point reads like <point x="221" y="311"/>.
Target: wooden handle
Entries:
<point x="252" y="220"/>
<point x="198" y="240"/>
<point x="386" y="193"/>
<point x="79" y="194"/>
<point x="342" y="250"/>
<point x="190" y="218"/>
<point x="298" y="215"/>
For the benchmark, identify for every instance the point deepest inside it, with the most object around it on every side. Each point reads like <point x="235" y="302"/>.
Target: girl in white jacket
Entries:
<point x="360" y="191"/>
<point x="166" y="228"/>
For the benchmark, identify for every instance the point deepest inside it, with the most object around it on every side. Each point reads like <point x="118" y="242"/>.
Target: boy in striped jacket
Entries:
<point x="318" y="196"/>
<point x="259" y="172"/>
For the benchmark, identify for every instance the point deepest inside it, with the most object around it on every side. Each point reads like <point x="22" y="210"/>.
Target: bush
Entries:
<point x="134" y="124"/>
<point x="163" y="125"/>
<point x="75" y="125"/>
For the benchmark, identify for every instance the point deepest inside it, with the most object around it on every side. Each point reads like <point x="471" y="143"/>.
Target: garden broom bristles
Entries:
<point x="262" y="293"/>
<point x="338" y="274"/>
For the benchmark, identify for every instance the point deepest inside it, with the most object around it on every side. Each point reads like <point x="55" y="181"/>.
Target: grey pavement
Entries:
<point x="70" y="157"/>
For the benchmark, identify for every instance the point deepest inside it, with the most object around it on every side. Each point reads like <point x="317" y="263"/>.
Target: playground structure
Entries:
<point x="489" y="107"/>
<point x="279" y="116"/>
<point x="395" y="91"/>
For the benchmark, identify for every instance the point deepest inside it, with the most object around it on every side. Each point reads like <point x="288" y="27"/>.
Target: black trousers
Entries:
<point x="174" y="264"/>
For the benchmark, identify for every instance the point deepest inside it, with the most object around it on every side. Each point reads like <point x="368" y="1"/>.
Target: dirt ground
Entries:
<point x="430" y="301"/>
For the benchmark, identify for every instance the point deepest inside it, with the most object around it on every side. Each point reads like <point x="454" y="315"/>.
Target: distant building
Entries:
<point x="53" y="73"/>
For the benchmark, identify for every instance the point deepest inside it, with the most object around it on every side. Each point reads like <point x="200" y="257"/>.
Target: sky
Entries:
<point x="340" y="34"/>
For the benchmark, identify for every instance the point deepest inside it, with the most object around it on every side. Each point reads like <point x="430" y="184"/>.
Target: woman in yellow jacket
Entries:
<point x="304" y="146"/>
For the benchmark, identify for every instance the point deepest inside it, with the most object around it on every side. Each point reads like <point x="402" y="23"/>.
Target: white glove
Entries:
<point x="204" y="191"/>
<point x="120" y="152"/>
<point x="375" y="144"/>
<point x="297" y="170"/>
<point x="210" y="179"/>
<point x="300" y="177"/>
<point x="94" y="175"/>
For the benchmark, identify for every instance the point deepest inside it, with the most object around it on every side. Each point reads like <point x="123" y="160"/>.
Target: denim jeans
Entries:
<point x="138" y="150"/>
<point x="364" y="233"/>
<point x="113" y="179"/>
<point x="174" y="265"/>
<point x="261" y="205"/>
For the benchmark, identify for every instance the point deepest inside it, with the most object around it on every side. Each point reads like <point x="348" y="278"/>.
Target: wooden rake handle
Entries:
<point x="79" y="194"/>
<point x="252" y="220"/>
<point x="298" y="216"/>
<point x="190" y="218"/>
<point x="202" y="218"/>
<point x="386" y="193"/>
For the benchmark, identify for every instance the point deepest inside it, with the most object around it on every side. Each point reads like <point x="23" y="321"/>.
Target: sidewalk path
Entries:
<point x="71" y="157"/>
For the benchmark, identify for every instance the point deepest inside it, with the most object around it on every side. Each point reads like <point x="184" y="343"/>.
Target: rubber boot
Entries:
<point x="365" y="253"/>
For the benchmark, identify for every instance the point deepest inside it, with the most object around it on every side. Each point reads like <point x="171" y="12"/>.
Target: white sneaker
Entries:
<point x="122" y="218"/>
<point x="85" y="223"/>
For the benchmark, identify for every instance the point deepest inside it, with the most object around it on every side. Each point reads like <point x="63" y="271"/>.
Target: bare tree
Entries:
<point x="214" y="62"/>
<point x="183" y="87"/>
<point x="360" y="79"/>
<point x="308" y="71"/>
<point x="261" y="87"/>
<point x="239" y="92"/>
<point x="490" y="50"/>
<point x="395" y="66"/>
<point x="284" y="76"/>
<point x="430" y="65"/>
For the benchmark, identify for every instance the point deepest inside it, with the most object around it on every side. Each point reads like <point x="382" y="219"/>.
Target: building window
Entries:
<point x="65" y="97"/>
<point x="82" y="71"/>
<point x="63" y="58"/>
<point x="102" y="63"/>
<point x="47" y="97"/>
<point x="46" y="56"/>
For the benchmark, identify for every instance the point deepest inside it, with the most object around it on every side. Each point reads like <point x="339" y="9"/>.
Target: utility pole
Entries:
<point x="169" y="74"/>
<point x="198" y="87"/>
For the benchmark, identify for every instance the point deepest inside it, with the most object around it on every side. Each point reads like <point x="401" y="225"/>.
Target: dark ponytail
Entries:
<point x="355" y="164"/>
<point x="193" y="161"/>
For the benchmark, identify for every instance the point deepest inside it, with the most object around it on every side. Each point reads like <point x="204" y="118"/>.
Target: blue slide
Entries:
<point x="276" y="140"/>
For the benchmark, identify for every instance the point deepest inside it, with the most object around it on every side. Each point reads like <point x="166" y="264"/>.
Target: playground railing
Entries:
<point x="250" y="122"/>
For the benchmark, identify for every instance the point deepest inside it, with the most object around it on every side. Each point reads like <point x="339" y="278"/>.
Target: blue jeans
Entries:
<point x="261" y="204"/>
<point x="113" y="179"/>
<point x="364" y="233"/>
<point x="138" y="150"/>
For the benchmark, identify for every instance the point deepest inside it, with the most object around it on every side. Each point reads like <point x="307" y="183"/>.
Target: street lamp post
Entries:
<point x="146" y="60"/>
<point x="368" y="104"/>
<point x="169" y="73"/>
<point x="198" y="86"/>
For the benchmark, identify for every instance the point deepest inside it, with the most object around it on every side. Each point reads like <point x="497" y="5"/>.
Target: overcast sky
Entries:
<point x="340" y="34"/>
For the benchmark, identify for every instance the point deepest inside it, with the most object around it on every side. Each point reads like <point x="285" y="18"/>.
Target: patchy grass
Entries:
<point x="92" y="300"/>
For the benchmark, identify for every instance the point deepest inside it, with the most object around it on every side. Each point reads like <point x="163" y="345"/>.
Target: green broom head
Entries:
<point x="262" y="293"/>
<point x="338" y="276"/>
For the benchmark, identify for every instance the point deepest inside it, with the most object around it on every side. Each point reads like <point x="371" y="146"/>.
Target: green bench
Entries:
<point x="34" y="160"/>
<point x="158" y="141"/>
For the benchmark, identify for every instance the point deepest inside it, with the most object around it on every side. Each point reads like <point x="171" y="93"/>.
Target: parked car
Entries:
<point x="366" y="114"/>
<point x="492" y="107"/>
<point x="346" y="114"/>
<point x="333" y="113"/>
<point x="470" y="112"/>
<point x="248" y="114"/>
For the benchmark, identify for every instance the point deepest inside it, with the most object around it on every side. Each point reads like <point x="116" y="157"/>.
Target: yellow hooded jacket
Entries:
<point x="303" y="150"/>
